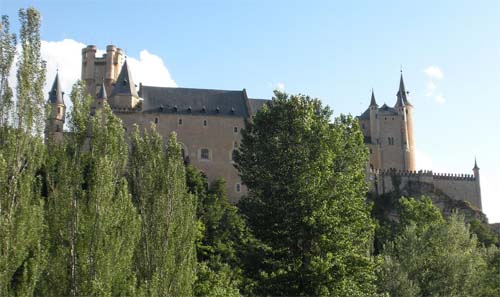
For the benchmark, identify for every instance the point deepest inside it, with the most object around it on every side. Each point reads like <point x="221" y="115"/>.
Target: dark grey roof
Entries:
<point x="193" y="101"/>
<point x="124" y="84"/>
<point x="386" y="110"/>
<point x="373" y="102"/>
<point x="402" y="94"/>
<point x="256" y="104"/>
<point x="55" y="94"/>
<point x="365" y="115"/>
<point x="102" y="93"/>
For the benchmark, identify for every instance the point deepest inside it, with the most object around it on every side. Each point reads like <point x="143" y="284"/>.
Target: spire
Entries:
<point x="475" y="164"/>
<point x="402" y="94"/>
<point x="55" y="94"/>
<point x="124" y="84"/>
<point x="102" y="92"/>
<point x="373" y="102"/>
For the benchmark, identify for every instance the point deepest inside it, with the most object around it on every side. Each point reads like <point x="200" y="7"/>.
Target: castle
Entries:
<point x="208" y="125"/>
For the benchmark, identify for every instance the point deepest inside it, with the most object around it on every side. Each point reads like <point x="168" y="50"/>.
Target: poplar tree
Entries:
<point x="92" y="221"/>
<point x="22" y="254"/>
<point x="306" y="200"/>
<point x="165" y="255"/>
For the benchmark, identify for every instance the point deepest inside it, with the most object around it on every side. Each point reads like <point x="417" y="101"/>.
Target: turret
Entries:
<point x="56" y="118"/>
<point x="374" y="132"/>
<point x="101" y="99"/>
<point x="88" y="68"/>
<point x="124" y="94"/>
<point x="405" y="109"/>
<point x="478" y="184"/>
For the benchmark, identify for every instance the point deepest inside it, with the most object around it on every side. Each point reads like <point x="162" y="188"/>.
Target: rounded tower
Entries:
<point x="405" y="109"/>
<point x="374" y="134"/>
<point x="88" y="68"/>
<point x="57" y="117"/>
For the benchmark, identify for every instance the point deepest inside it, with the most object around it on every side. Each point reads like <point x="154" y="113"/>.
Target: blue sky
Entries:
<point x="334" y="50"/>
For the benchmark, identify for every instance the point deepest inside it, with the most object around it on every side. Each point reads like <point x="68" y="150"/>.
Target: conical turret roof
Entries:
<point x="102" y="93"/>
<point x="402" y="94"/>
<point x="55" y="94"/>
<point x="124" y="84"/>
<point x="373" y="102"/>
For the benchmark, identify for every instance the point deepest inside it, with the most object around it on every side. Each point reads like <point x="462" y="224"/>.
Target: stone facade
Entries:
<point x="208" y="125"/>
<point x="463" y="187"/>
<point x="388" y="133"/>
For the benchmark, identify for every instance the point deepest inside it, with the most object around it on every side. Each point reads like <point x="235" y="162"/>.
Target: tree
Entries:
<point x="222" y="240"/>
<point x="306" y="200"/>
<point x="93" y="225"/>
<point x="22" y="153"/>
<point x="165" y="256"/>
<point x="432" y="256"/>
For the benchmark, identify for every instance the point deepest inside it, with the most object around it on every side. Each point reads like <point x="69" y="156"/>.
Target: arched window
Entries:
<point x="205" y="123"/>
<point x="179" y="122"/>
<point x="235" y="129"/>
<point x="156" y="120"/>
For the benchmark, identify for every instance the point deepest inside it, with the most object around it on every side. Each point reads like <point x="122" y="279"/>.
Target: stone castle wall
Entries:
<point x="463" y="187"/>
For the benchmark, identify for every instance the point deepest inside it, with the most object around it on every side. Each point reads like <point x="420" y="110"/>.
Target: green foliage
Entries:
<point x="430" y="256"/>
<point x="421" y="212"/>
<point x="22" y="227"/>
<point x="484" y="234"/>
<point x="93" y="225"/>
<point x="222" y="239"/>
<point x="165" y="256"/>
<point x="306" y="200"/>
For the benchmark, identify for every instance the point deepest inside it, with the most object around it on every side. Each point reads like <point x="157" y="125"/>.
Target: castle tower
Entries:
<point x="98" y="69"/>
<point x="478" y="185"/>
<point x="405" y="109"/>
<point x="56" y="118"/>
<point x="100" y="100"/>
<point x="374" y="133"/>
<point x="124" y="94"/>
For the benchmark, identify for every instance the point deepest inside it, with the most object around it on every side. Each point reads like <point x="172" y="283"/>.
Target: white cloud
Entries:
<point x="66" y="55"/>
<point x="440" y="99"/>
<point x="150" y="70"/>
<point x="434" y="74"/>
<point x="279" y="86"/>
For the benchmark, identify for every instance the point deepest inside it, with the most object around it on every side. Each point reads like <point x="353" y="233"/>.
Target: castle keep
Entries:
<point x="208" y="125"/>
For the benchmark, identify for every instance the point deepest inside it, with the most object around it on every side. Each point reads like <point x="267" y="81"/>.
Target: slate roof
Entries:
<point x="387" y="110"/>
<point x="55" y="94"/>
<point x="365" y="115"/>
<point x="256" y="104"/>
<point x="124" y="83"/>
<point x="194" y="101"/>
<point x="102" y="93"/>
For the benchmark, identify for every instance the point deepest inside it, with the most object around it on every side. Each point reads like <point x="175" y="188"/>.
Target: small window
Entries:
<point x="235" y="129"/>
<point x="371" y="151"/>
<point x="205" y="123"/>
<point x="156" y="120"/>
<point x="57" y="128"/>
<point x="204" y="154"/>
<point x="58" y="110"/>
<point x="390" y="140"/>
<point x="235" y="144"/>
<point x="238" y="188"/>
<point x="179" y="122"/>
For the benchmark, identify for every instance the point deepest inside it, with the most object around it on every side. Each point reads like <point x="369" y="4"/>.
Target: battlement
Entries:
<point x="463" y="187"/>
<point x="423" y="173"/>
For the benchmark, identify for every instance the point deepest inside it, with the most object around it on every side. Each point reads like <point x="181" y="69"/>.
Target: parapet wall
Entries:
<point x="463" y="187"/>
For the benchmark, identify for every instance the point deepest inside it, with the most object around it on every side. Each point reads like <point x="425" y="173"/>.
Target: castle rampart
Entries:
<point x="463" y="187"/>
